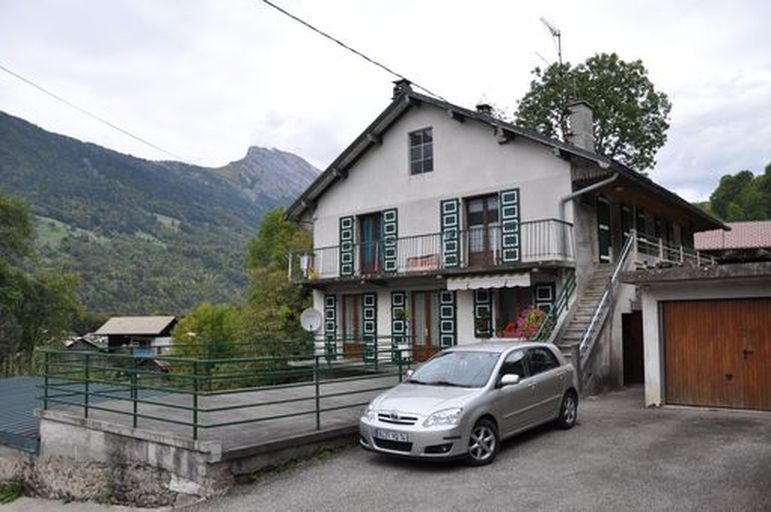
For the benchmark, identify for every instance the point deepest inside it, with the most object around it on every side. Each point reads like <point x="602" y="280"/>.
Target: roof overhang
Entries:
<point x="688" y="273"/>
<point x="372" y="136"/>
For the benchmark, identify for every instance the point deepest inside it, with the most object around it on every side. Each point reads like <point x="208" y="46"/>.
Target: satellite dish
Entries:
<point x="310" y="319"/>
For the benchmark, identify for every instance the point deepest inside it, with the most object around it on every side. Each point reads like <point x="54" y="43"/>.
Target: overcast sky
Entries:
<point x="205" y="79"/>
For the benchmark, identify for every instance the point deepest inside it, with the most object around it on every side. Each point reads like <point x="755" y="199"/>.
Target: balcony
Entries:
<point x="541" y="241"/>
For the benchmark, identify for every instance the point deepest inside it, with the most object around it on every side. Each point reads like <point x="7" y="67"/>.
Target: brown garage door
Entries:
<point x="718" y="353"/>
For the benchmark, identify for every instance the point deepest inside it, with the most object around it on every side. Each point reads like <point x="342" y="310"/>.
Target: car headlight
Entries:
<point x="369" y="413"/>
<point x="444" y="417"/>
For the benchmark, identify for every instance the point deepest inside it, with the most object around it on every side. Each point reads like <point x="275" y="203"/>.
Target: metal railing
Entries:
<point x="549" y="326"/>
<point x="207" y="387"/>
<point x="478" y="247"/>
<point x="651" y="250"/>
<point x="606" y="302"/>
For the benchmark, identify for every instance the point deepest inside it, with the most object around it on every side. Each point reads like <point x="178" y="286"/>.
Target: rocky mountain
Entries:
<point x="145" y="236"/>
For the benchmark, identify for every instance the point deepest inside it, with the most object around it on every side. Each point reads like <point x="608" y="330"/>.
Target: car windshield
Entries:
<point x="469" y="369"/>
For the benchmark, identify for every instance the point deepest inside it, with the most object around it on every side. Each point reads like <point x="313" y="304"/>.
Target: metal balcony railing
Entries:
<point x="478" y="248"/>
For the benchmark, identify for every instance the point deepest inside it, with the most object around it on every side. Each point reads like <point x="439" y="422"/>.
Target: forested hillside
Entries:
<point x="144" y="236"/>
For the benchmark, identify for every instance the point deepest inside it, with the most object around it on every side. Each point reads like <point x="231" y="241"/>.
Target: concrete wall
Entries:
<point x="468" y="161"/>
<point x="653" y="343"/>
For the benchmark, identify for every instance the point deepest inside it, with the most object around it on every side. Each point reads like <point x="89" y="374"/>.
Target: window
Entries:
<point x="514" y="363"/>
<point x="421" y="151"/>
<point x="540" y="360"/>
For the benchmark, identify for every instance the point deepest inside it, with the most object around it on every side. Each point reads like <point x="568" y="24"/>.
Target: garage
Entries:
<point x="718" y="352"/>
<point x="706" y="334"/>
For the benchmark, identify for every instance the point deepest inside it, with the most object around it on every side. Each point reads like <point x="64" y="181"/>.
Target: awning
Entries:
<point x="494" y="281"/>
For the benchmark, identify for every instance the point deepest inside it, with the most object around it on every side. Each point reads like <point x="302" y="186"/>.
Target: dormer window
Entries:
<point x="421" y="151"/>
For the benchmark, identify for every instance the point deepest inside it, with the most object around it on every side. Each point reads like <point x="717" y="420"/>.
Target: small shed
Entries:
<point x="137" y="331"/>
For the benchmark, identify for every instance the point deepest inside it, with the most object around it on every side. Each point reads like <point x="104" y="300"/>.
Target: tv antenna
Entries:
<point x="556" y="34"/>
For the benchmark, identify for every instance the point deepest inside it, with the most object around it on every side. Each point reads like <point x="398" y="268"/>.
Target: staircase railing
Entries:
<point x="603" y="307"/>
<point x="561" y="303"/>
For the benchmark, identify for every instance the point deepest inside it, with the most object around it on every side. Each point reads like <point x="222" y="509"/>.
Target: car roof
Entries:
<point x="496" y="346"/>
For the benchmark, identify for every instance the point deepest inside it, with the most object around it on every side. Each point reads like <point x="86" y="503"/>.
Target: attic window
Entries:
<point x="421" y="151"/>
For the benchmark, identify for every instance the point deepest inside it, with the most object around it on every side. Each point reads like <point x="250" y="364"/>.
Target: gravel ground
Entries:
<point x="621" y="456"/>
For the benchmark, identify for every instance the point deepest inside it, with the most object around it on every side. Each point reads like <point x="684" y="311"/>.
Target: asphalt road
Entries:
<point x="620" y="456"/>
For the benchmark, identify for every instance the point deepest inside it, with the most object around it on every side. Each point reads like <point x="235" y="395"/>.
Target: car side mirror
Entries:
<point x="409" y="373"/>
<point x="509" y="379"/>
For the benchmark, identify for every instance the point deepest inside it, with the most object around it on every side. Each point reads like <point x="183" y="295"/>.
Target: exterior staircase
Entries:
<point x="571" y="334"/>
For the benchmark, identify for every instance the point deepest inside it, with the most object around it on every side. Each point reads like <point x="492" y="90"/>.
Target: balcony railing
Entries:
<point x="478" y="248"/>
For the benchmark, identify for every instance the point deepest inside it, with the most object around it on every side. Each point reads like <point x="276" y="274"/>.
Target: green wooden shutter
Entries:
<point x="398" y="322"/>
<point x="330" y="326"/>
<point x="390" y="239"/>
<point x="369" y="325"/>
<point x="450" y="224"/>
<point x="448" y="332"/>
<point x="510" y="235"/>
<point x="483" y="314"/>
<point x="544" y="296"/>
<point x="346" y="245"/>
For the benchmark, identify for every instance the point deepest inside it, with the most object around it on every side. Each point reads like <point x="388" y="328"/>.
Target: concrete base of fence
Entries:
<point x="86" y="459"/>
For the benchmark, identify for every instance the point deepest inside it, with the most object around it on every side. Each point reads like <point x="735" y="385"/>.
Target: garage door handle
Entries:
<point x="729" y="376"/>
<point x="746" y="353"/>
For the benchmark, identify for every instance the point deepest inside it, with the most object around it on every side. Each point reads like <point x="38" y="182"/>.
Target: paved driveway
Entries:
<point x="620" y="456"/>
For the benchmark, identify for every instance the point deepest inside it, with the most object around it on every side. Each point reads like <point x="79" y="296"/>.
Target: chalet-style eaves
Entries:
<point x="440" y="225"/>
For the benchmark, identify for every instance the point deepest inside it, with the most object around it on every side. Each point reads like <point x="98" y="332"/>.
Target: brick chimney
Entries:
<point x="401" y="86"/>
<point x="580" y="125"/>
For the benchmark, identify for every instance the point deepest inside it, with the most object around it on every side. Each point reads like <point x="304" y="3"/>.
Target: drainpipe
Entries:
<point x="577" y="193"/>
<point x="580" y="192"/>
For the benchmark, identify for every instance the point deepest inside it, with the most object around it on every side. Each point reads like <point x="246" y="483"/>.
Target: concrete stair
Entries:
<point x="574" y="330"/>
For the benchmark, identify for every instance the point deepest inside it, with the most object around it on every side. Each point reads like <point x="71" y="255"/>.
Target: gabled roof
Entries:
<point x="135" y="325"/>
<point x="743" y="235"/>
<point x="408" y="98"/>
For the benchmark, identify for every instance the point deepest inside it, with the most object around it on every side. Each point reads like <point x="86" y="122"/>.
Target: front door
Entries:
<point x="353" y="340"/>
<point x="603" y="230"/>
<point x="425" y="324"/>
<point x="483" y="230"/>
<point x="370" y="243"/>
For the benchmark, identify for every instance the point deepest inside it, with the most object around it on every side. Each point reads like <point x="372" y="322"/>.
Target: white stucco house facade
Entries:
<point x="439" y="225"/>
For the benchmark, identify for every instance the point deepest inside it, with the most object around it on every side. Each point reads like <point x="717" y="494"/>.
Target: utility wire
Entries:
<point x="87" y="113"/>
<point x="347" y="47"/>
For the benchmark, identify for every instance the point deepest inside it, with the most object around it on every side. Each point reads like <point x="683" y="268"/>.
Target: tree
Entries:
<point x="743" y="196"/>
<point x="631" y="117"/>
<point x="273" y="306"/>
<point x="208" y="331"/>
<point x="35" y="307"/>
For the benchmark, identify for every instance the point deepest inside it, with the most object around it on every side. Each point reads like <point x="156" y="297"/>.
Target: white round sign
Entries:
<point x="310" y="319"/>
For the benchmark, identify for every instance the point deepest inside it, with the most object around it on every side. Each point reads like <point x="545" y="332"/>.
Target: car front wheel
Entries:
<point x="483" y="443"/>
<point x="568" y="411"/>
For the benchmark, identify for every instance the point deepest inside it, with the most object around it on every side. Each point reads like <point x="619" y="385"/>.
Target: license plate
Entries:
<point x="390" y="435"/>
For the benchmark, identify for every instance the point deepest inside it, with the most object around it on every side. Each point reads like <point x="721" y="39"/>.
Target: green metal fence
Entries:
<point x="195" y="385"/>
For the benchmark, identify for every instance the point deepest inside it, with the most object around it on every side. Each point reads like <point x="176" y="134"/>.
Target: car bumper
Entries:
<point x="429" y="443"/>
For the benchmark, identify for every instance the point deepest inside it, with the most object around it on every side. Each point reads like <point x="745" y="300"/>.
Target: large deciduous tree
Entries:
<point x="631" y="117"/>
<point x="743" y="196"/>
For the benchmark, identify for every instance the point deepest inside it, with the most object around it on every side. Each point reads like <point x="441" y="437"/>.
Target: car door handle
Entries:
<point x="531" y="385"/>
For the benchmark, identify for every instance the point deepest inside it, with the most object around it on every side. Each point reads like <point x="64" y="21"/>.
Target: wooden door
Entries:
<point x="425" y="324"/>
<point x="483" y="222"/>
<point x="632" y="339"/>
<point x="717" y="353"/>
<point x="353" y="342"/>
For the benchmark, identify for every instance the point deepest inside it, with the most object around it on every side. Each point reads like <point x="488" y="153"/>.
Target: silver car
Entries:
<point x="463" y="401"/>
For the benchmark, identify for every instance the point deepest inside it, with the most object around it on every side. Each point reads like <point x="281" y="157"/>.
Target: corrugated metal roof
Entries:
<point x="137" y="325"/>
<point x="743" y="235"/>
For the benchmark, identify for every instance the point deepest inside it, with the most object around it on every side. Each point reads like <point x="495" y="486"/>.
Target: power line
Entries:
<point x="347" y="47"/>
<point x="87" y="113"/>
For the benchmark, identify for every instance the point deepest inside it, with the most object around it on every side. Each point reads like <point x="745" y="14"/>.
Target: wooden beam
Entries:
<point x="503" y="136"/>
<point x="455" y="115"/>
<point x="342" y="174"/>
<point x="375" y="138"/>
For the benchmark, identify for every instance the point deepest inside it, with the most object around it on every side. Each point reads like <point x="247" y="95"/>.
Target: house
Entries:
<point x="439" y="225"/>
<point x="145" y="335"/>
<point x="707" y="334"/>
<point x="747" y="241"/>
<point x="86" y="342"/>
